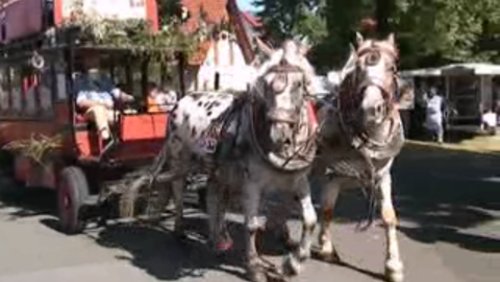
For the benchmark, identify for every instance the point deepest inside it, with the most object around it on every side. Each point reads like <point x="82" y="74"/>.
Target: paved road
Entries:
<point x="450" y="231"/>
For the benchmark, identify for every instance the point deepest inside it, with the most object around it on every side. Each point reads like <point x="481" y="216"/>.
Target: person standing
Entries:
<point x="434" y="115"/>
<point x="406" y="106"/>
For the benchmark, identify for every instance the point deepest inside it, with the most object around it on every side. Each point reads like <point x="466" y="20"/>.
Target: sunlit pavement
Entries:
<point x="449" y="205"/>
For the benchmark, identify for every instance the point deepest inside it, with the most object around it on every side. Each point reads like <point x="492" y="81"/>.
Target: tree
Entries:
<point x="167" y="9"/>
<point x="294" y="18"/>
<point x="429" y="32"/>
<point x="440" y="31"/>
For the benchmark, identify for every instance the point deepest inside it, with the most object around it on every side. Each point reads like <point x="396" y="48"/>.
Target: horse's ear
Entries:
<point x="391" y="39"/>
<point x="304" y="49"/>
<point x="350" y="64"/>
<point x="304" y="46"/>
<point x="352" y="49"/>
<point x="359" y="38"/>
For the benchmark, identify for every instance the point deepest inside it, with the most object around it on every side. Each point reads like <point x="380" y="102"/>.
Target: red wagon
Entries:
<point x="38" y="112"/>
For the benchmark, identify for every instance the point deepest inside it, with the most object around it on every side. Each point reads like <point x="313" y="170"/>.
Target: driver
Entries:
<point x="96" y="95"/>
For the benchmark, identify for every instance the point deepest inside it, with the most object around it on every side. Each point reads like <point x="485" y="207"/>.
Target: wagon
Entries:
<point x="52" y="144"/>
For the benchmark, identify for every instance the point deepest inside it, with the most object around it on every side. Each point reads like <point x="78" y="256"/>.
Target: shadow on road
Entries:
<point x="167" y="257"/>
<point x="19" y="202"/>
<point x="452" y="197"/>
<point x="446" y="196"/>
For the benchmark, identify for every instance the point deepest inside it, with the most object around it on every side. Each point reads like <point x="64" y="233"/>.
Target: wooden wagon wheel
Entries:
<point x="72" y="191"/>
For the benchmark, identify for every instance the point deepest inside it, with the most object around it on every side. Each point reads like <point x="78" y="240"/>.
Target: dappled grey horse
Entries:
<point x="253" y="142"/>
<point x="360" y="135"/>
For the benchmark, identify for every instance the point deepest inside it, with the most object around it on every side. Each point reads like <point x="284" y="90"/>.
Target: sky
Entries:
<point x="245" y="5"/>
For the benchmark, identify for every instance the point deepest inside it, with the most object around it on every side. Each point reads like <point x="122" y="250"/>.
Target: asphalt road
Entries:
<point x="449" y="205"/>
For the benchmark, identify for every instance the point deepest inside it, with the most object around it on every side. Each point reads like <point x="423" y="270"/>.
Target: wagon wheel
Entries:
<point x="72" y="191"/>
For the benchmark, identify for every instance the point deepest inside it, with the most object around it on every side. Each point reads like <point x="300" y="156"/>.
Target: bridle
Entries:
<point x="351" y="89"/>
<point x="302" y="152"/>
<point x="280" y="83"/>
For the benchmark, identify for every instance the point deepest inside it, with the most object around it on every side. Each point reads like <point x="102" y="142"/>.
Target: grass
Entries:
<point x="478" y="144"/>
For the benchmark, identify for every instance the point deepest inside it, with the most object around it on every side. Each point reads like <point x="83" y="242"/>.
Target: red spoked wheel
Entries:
<point x="72" y="191"/>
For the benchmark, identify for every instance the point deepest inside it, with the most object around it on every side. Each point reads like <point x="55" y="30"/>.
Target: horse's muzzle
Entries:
<point x="284" y="116"/>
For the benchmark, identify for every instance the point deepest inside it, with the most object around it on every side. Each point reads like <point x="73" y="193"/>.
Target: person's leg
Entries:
<point x="100" y="115"/>
<point x="440" y="133"/>
<point x="405" y="119"/>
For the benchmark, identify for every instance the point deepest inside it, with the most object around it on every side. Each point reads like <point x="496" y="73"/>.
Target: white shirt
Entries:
<point x="490" y="119"/>
<point x="434" y="116"/>
<point x="166" y="101"/>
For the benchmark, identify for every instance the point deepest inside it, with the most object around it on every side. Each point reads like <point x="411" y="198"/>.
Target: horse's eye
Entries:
<point x="373" y="58"/>
<point x="298" y="84"/>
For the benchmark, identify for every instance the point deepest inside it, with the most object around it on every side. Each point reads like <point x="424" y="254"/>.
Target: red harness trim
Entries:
<point x="311" y="114"/>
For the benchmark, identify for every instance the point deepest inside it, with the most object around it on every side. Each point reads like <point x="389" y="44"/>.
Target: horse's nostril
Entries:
<point x="288" y="142"/>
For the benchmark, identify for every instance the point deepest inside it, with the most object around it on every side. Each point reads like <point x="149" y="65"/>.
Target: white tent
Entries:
<point x="455" y="69"/>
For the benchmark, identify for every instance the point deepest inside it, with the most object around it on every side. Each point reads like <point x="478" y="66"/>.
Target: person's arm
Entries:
<point x="115" y="91"/>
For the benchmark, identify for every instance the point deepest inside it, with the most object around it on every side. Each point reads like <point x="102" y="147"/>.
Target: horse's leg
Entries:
<point x="277" y="216"/>
<point x="178" y="191"/>
<point x="216" y="207"/>
<point x="393" y="263"/>
<point x="309" y="220"/>
<point x="251" y="200"/>
<point x="329" y="194"/>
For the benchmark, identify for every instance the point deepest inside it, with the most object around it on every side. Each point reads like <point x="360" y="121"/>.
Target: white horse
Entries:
<point x="252" y="143"/>
<point x="361" y="134"/>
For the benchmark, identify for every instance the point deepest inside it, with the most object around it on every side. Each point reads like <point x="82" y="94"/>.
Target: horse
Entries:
<point x="360" y="136"/>
<point x="254" y="142"/>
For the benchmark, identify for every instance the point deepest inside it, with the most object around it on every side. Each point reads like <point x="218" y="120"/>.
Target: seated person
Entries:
<point x="96" y="95"/>
<point x="159" y="101"/>
<point x="489" y="121"/>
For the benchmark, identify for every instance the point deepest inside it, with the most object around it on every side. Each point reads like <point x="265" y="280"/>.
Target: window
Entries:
<point x="45" y="91"/>
<point x="4" y="91"/>
<point x="60" y="87"/>
<point x="17" y="93"/>
<point x="30" y="88"/>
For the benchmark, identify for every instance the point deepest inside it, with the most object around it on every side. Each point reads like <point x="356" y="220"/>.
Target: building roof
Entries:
<point x="213" y="11"/>
<point x="456" y="69"/>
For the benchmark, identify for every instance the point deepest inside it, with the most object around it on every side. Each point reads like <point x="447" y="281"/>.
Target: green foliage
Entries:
<point x="37" y="148"/>
<point x="294" y="18"/>
<point x="428" y="32"/>
<point x="135" y="35"/>
<point x="438" y="31"/>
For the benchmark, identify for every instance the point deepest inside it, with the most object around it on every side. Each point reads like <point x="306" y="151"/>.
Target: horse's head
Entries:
<point x="282" y="85"/>
<point x="373" y="65"/>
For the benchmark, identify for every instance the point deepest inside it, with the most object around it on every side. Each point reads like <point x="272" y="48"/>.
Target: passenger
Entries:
<point x="159" y="101"/>
<point x="489" y="121"/>
<point x="96" y="95"/>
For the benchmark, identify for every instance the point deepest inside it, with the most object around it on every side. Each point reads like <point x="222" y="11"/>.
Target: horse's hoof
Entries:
<point x="256" y="275"/>
<point x="396" y="276"/>
<point x="291" y="266"/>
<point x="303" y="253"/>
<point x="394" y="271"/>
